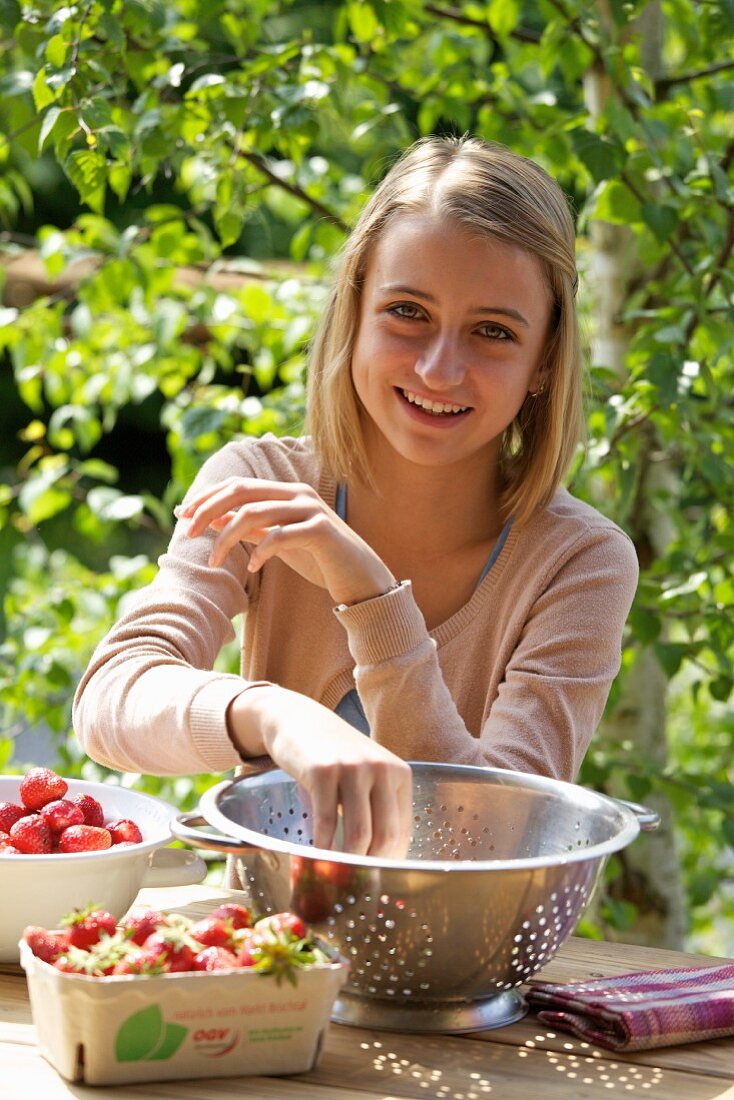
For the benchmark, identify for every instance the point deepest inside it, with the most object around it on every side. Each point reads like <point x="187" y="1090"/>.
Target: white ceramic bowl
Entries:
<point x="40" y="889"/>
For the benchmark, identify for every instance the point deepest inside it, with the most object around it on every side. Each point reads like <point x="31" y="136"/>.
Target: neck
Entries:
<point x="427" y="510"/>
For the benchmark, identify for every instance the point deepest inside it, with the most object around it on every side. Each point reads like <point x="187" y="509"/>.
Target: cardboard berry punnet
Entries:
<point x="128" y="1028"/>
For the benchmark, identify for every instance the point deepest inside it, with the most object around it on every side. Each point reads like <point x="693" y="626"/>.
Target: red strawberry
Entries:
<point x="237" y="914"/>
<point x="39" y="786"/>
<point x="213" y="932"/>
<point x="278" y="923"/>
<point x="137" y="962"/>
<point x="9" y="814"/>
<point x="125" y="832"/>
<point x="173" y="945"/>
<point x="7" y="848"/>
<point x="86" y="926"/>
<point x="31" y="835"/>
<point x="91" y="808"/>
<point x="249" y="944"/>
<point x="61" y="814"/>
<point x="215" y="958"/>
<point x="84" y="838"/>
<point x="44" y="944"/>
<point x="77" y="961"/>
<point x="141" y="923"/>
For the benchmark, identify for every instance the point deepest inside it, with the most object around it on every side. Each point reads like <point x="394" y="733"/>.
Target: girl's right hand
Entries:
<point x="343" y="771"/>
<point x="290" y="521"/>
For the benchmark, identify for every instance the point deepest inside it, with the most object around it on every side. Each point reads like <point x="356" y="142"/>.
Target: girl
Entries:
<point x="411" y="568"/>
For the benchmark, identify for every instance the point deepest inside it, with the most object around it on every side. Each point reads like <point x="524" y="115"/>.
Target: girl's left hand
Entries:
<point x="292" y="522"/>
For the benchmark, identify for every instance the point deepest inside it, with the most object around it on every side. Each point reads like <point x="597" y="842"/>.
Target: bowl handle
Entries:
<point x="174" y="867"/>
<point x="182" y="828"/>
<point x="647" y="819"/>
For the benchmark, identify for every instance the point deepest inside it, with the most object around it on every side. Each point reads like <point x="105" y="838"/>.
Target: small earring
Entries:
<point x="540" y="389"/>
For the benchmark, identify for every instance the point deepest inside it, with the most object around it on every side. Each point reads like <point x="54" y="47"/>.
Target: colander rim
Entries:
<point x="628" y="831"/>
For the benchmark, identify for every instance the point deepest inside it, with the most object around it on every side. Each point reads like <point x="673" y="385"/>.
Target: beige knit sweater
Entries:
<point x="517" y="678"/>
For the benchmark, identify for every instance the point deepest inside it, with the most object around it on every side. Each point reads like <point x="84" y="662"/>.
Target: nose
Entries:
<point x="441" y="364"/>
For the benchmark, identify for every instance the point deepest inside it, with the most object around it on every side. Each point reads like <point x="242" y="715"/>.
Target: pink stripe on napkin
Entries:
<point x="641" y="1011"/>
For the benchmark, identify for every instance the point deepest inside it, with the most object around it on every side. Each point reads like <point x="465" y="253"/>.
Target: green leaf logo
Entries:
<point x="145" y="1037"/>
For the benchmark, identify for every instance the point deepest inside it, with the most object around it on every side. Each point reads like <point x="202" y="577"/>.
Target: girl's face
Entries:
<point x="452" y="327"/>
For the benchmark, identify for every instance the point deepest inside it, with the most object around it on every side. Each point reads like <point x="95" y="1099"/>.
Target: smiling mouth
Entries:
<point x="434" y="408"/>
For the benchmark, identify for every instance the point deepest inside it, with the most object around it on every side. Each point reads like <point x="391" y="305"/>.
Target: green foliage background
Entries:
<point x="158" y="147"/>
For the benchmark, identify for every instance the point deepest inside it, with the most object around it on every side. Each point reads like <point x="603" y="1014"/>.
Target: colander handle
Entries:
<point x="182" y="827"/>
<point x="647" y="819"/>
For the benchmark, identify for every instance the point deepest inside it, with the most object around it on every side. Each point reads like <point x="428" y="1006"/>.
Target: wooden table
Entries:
<point x="519" y="1062"/>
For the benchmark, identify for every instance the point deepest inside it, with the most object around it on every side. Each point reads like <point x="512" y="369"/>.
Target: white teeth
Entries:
<point x="438" y="408"/>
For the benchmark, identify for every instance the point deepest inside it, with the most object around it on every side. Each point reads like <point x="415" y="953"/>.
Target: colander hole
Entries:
<point x="444" y="809"/>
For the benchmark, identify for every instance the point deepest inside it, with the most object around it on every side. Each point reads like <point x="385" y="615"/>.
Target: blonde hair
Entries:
<point x="504" y="196"/>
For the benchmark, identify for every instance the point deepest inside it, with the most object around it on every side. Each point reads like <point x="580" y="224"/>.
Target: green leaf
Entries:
<point x="663" y="220"/>
<point x="617" y="204"/>
<point x="111" y="504"/>
<point x="87" y="170"/>
<point x="229" y="225"/>
<point x="603" y="157"/>
<point x="49" y="121"/>
<point x="56" y="49"/>
<point x="363" y="21"/>
<point x="42" y="94"/>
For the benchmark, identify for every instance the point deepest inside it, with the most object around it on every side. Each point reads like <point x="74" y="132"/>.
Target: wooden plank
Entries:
<point x="366" y="1064"/>
<point x="25" y="1075"/>
<point x="452" y="1066"/>
<point x="714" y="1057"/>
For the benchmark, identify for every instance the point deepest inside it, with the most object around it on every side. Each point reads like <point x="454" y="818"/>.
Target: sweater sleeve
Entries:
<point x="149" y="700"/>
<point x="565" y="630"/>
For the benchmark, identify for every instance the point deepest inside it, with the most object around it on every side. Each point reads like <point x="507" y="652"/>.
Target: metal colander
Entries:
<point x="500" y="867"/>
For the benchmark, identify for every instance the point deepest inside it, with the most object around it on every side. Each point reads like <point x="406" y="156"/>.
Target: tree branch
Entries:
<point x="297" y="192"/>
<point x="663" y="85"/>
<point x="672" y="243"/>
<point x="718" y="269"/>
<point x="520" y="34"/>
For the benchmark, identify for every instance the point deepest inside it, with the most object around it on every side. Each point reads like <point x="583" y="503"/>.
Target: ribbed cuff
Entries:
<point x="208" y="721"/>
<point x="384" y="627"/>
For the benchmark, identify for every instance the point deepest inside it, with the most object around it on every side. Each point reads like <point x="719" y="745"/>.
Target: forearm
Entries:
<point x="155" y="716"/>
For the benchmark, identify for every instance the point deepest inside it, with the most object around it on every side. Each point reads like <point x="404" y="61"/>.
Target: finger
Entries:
<point x="273" y="525"/>
<point x="391" y="802"/>
<point x="354" y="793"/>
<point x="239" y="491"/>
<point x="324" y="801"/>
<point x="187" y="509"/>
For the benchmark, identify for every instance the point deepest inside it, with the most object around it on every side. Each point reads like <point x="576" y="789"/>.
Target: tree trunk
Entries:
<point x="651" y="874"/>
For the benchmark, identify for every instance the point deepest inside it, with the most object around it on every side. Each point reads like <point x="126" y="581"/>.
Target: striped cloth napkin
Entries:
<point x="642" y="1011"/>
